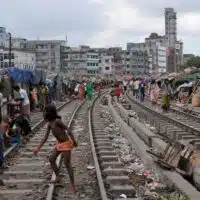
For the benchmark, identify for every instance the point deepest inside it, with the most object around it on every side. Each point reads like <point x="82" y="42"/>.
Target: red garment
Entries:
<point x="117" y="91"/>
<point x="98" y="88"/>
<point x="81" y="92"/>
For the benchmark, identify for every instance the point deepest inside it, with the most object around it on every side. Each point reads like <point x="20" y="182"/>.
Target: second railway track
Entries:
<point x="177" y="125"/>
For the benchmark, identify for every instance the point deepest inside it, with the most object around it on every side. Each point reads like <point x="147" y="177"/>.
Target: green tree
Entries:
<point x="193" y="62"/>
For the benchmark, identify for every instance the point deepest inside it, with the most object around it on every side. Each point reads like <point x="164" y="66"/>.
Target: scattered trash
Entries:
<point x="90" y="167"/>
<point x="84" y="144"/>
<point x="123" y="196"/>
<point x="148" y="183"/>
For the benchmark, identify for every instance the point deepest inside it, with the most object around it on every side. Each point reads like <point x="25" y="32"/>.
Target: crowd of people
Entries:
<point x="12" y="127"/>
<point x="16" y="123"/>
<point x="160" y="91"/>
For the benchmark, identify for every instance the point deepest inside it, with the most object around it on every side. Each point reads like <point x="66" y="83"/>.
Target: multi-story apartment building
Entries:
<point x="106" y="65"/>
<point x="47" y="53"/>
<point x="156" y="53"/>
<point x="73" y="58"/>
<point x="117" y="66"/>
<point x="19" y="58"/>
<point x="80" y="58"/>
<point x="92" y="62"/>
<point x="136" y="62"/>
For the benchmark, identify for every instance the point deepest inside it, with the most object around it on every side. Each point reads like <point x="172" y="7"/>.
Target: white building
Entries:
<point x="92" y="62"/>
<point x="19" y="58"/>
<point x="106" y="64"/>
<point x="156" y="51"/>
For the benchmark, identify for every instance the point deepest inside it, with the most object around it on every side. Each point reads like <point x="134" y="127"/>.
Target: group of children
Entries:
<point x="10" y="132"/>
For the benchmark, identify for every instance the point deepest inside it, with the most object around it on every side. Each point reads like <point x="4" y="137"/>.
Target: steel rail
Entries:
<point x="58" y="161"/>
<point x="51" y="188"/>
<point x="94" y="153"/>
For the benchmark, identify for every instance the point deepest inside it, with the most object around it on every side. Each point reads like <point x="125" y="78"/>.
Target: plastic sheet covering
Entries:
<point x="26" y="76"/>
<point x="3" y="72"/>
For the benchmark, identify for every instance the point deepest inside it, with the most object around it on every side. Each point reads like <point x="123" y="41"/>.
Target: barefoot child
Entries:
<point x="65" y="142"/>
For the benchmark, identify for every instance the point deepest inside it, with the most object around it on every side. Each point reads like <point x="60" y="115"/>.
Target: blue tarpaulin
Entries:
<point x="24" y="76"/>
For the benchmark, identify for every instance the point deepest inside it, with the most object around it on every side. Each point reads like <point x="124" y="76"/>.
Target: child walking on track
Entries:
<point x="65" y="143"/>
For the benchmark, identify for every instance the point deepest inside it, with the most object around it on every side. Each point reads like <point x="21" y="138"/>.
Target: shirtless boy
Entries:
<point x="65" y="142"/>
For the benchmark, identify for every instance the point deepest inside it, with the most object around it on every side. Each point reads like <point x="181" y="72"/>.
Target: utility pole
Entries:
<point x="10" y="48"/>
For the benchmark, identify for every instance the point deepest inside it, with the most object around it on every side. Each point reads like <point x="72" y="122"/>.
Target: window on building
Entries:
<point x="53" y="46"/>
<point x="1" y="64"/>
<point x="12" y="64"/>
<point x="107" y="68"/>
<point x="5" y="64"/>
<point x="12" y="56"/>
<point x="6" y="56"/>
<point x="107" y="61"/>
<point x="53" y="54"/>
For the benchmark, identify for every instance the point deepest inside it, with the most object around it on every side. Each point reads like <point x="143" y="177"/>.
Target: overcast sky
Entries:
<point x="100" y="22"/>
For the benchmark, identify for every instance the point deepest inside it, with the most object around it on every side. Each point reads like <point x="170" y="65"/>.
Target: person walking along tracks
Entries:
<point x="65" y="143"/>
<point x="89" y="91"/>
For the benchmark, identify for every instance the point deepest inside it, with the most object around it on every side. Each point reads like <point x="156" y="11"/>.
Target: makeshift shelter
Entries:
<point x="32" y="77"/>
<point x="189" y="77"/>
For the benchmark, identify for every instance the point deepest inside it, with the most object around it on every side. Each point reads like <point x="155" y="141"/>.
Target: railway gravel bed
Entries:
<point x="142" y="133"/>
<point x="148" y="182"/>
<point x="27" y="177"/>
<point x="83" y="164"/>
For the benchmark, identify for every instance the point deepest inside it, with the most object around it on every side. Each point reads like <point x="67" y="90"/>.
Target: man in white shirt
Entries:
<point x="136" y="87"/>
<point x="25" y="101"/>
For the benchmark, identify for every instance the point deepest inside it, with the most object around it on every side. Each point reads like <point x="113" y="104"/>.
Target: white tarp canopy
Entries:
<point x="185" y="85"/>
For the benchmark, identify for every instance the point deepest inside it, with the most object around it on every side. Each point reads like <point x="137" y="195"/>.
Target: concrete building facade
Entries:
<point x="73" y="58"/>
<point x="106" y="65"/>
<point x="47" y="53"/>
<point x="3" y="37"/>
<point x="136" y="62"/>
<point x="92" y="62"/>
<point x="156" y="54"/>
<point x="80" y="58"/>
<point x="19" y="58"/>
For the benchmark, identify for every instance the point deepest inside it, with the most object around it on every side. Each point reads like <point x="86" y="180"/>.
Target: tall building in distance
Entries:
<point x="171" y="26"/>
<point x="174" y="47"/>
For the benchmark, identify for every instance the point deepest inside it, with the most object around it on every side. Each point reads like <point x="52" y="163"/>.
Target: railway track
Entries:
<point x="110" y="173"/>
<point x="26" y="177"/>
<point x="176" y="125"/>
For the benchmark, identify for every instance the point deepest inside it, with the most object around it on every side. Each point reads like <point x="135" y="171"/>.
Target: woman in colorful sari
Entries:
<point x="89" y="89"/>
<point x="153" y="94"/>
<point x="166" y="91"/>
<point x="155" y="90"/>
<point x="43" y="96"/>
<point x="82" y="91"/>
